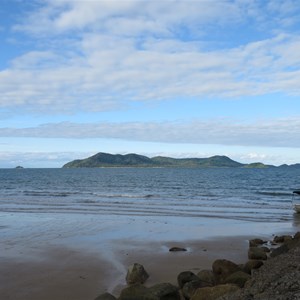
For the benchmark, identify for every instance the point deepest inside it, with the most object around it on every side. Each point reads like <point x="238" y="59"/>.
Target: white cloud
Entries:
<point x="268" y="133"/>
<point x="111" y="71"/>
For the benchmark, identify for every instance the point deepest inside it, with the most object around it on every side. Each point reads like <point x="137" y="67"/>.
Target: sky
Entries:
<point x="180" y="78"/>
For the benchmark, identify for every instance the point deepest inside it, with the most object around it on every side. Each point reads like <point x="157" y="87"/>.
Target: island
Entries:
<point x="102" y="160"/>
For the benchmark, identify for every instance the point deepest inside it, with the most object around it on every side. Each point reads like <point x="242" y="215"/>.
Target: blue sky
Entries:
<point x="178" y="78"/>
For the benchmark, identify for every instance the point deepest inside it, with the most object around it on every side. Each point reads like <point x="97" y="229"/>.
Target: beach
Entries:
<point x="40" y="262"/>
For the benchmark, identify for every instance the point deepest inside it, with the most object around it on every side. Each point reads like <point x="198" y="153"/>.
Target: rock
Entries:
<point x="177" y="249"/>
<point x="222" y="268"/>
<point x="251" y="265"/>
<point x="164" y="291"/>
<point x="239" y="278"/>
<point x="280" y="250"/>
<point x="265" y="249"/>
<point x="213" y="293"/>
<point x="282" y="238"/>
<point x="185" y="277"/>
<point x="297" y="236"/>
<point x="161" y="291"/>
<point x="106" y="296"/>
<point x="136" y="274"/>
<point x="190" y="288"/>
<point x="257" y="253"/>
<point x="207" y="276"/>
<point x="255" y="242"/>
<point x="135" y="292"/>
<point x="277" y="279"/>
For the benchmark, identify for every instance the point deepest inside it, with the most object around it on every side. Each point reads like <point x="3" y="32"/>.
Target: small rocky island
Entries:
<point x="102" y="160"/>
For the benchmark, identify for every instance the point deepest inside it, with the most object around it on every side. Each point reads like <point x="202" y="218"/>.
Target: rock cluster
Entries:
<point x="272" y="272"/>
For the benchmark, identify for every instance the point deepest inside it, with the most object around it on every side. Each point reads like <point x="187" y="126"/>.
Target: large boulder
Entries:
<point x="213" y="293"/>
<point x="255" y="242"/>
<point x="191" y="287"/>
<point x="257" y="253"/>
<point x="164" y="291"/>
<point x="106" y="296"/>
<point x="251" y="265"/>
<point x="222" y="268"/>
<point x="239" y="278"/>
<point x="207" y="277"/>
<point x="135" y="292"/>
<point x="136" y="274"/>
<point x="161" y="291"/>
<point x="185" y="277"/>
<point x="282" y="238"/>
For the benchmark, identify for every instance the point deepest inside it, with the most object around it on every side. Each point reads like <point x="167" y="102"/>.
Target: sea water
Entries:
<point x="46" y="205"/>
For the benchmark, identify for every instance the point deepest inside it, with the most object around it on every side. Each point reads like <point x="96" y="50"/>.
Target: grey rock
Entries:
<point x="280" y="250"/>
<point x="277" y="279"/>
<point x="207" y="276"/>
<point x="239" y="278"/>
<point x="106" y="296"/>
<point x="135" y="292"/>
<point x="255" y="242"/>
<point x="185" y="277"/>
<point x="215" y="292"/>
<point x="282" y="238"/>
<point x="257" y="253"/>
<point x="252" y="265"/>
<point x="222" y="268"/>
<point x="136" y="274"/>
<point x="165" y="291"/>
<point x="190" y="288"/>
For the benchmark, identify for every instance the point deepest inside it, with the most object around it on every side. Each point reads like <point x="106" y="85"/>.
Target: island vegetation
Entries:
<point x="102" y="160"/>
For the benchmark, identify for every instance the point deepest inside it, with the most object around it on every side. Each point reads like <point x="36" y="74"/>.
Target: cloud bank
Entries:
<point x="106" y="55"/>
<point x="272" y="133"/>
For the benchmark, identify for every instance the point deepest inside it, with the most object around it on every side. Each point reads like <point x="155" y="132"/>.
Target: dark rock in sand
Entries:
<point x="190" y="288"/>
<point x="185" y="277"/>
<point x="177" y="249"/>
<point x="297" y="236"/>
<point x="265" y="249"/>
<point x="252" y="265"/>
<point x="257" y="253"/>
<point x="280" y="250"/>
<point x="213" y="293"/>
<point x="164" y="291"/>
<point x="136" y="274"/>
<point x="106" y="296"/>
<point x="207" y="276"/>
<point x="239" y="278"/>
<point x="161" y="291"/>
<point x="282" y="238"/>
<point x="255" y="242"/>
<point x="135" y="292"/>
<point x="222" y="268"/>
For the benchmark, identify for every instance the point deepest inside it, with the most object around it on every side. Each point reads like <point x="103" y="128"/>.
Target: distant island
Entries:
<point x="106" y="160"/>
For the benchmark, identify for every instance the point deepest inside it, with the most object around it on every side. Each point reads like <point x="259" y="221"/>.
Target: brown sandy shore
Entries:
<point x="64" y="273"/>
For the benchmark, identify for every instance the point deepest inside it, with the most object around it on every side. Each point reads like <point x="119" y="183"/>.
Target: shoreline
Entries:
<point x="53" y="256"/>
<point x="66" y="273"/>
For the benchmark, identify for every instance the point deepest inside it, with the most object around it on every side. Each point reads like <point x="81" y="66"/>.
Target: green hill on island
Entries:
<point x="102" y="160"/>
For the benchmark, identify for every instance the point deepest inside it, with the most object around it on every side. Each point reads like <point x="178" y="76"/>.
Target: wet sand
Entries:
<point x="65" y="273"/>
<point x="78" y="257"/>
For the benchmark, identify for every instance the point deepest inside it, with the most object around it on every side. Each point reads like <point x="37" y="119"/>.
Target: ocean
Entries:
<point x="89" y="207"/>
<point x="256" y="195"/>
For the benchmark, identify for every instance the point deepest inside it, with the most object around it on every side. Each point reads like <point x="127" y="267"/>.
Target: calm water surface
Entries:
<point x="258" y="195"/>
